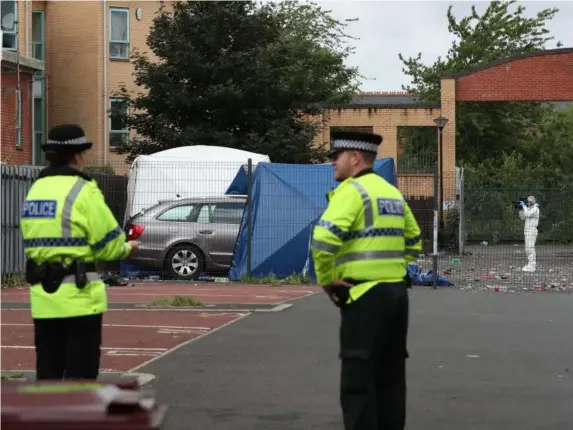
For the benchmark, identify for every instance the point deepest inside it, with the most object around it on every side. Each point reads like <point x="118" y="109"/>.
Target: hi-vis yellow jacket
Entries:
<point x="367" y="233"/>
<point x="65" y="218"/>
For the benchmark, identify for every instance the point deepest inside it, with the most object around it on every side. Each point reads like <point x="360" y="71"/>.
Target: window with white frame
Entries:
<point x="118" y="130"/>
<point x="118" y="33"/>
<point x="9" y="24"/>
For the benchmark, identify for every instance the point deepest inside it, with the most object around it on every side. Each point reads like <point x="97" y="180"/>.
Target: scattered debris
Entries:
<point x="426" y="279"/>
<point x="497" y="269"/>
<point x="112" y="280"/>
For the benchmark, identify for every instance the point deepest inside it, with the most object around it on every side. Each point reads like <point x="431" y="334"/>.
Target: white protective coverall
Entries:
<point x="530" y="214"/>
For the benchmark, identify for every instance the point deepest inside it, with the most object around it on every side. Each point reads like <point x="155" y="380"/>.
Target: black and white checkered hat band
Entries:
<point x="354" y="144"/>
<point x="76" y="141"/>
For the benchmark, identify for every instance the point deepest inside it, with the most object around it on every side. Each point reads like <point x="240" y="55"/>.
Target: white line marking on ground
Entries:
<point x="122" y="353"/>
<point x="105" y="348"/>
<point x="142" y="378"/>
<point x="158" y="327"/>
<point x="181" y="345"/>
<point x="214" y="312"/>
<point x="309" y="293"/>
<point x="179" y="331"/>
<point x="278" y="308"/>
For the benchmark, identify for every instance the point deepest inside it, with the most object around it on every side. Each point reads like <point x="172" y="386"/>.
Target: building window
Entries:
<point x="38" y="35"/>
<point x="9" y="24"/>
<point x="416" y="149"/>
<point x="119" y="33"/>
<point x="118" y="130"/>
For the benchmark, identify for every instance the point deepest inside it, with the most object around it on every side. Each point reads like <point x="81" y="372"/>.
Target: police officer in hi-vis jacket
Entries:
<point x="67" y="226"/>
<point x="360" y="247"/>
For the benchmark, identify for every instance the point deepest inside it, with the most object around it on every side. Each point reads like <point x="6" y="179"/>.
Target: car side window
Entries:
<point x="227" y="213"/>
<point x="177" y="213"/>
<point x="205" y="214"/>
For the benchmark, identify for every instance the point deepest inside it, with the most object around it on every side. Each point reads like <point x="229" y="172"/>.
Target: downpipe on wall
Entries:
<point x="105" y="139"/>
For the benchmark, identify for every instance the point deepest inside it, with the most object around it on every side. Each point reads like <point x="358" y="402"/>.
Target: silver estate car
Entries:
<point x="184" y="238"/>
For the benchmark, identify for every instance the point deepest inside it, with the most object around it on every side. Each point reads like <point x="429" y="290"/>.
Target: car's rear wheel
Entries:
<point x="184" y="262"/>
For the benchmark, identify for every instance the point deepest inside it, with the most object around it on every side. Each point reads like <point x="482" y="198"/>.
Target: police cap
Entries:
<point x="66" y="137"/>
<point x="354" y="141"/>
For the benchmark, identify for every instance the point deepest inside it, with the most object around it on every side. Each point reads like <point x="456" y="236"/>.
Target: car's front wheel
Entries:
<point x="184" y="262"/>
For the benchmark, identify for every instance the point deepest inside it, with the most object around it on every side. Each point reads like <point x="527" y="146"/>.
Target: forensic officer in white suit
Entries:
<point x="530" y="214"/>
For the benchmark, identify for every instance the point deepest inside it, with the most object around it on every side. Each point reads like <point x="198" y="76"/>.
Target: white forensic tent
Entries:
<point x="184" y="172"/>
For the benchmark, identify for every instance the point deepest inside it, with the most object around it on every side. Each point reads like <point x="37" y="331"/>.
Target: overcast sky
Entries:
<point x="386" y="28"/>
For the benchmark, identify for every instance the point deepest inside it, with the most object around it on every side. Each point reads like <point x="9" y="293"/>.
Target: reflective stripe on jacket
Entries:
<point x="65" y="218"/>
<point x="367" y="233"/>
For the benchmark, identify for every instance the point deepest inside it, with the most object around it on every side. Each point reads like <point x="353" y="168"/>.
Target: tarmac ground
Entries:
<point x="479" y="359"/>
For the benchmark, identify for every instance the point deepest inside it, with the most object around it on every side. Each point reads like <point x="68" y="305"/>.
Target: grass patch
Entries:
<point x="12" y="376"/>
<point x="13" y="281"/>
<point x="177" y="301"/>
<point x="294" y="279"/>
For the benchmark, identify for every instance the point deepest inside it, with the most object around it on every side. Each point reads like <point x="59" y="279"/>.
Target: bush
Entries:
<point x="107" y="169"/>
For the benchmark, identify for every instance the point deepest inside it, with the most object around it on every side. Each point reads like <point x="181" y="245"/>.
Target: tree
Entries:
<point x="240" y="74"/>
<point x="492" y="129"/>
<point x="542" y="167"/>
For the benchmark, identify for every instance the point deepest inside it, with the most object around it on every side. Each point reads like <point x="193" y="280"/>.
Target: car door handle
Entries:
<point x="205" y="231"/>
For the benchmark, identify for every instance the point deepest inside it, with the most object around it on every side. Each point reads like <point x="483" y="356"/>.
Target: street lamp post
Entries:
<point x="441" y="123"/>
<point x="438" y="182"/>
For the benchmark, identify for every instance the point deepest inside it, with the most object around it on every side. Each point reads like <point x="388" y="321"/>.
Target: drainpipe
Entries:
<point x="105" y="139"/>
<point x="18" y="89"/>
<point x="28" y="25"/>
<point x="31" y="122"/>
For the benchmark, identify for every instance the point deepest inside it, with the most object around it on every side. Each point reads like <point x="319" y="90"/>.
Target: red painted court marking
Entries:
<point x="207" y="294"/>
<point x="129" y="338"/>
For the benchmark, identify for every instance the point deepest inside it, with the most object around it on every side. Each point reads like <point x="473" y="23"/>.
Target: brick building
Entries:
<point x="85" y="47"/>
<point x="544" y="76"/>
<point x="87" y="60"/>
<point x="17" y="123"/>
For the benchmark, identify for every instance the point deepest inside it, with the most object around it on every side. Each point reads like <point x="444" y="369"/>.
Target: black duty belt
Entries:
<point x="51" y="275"/>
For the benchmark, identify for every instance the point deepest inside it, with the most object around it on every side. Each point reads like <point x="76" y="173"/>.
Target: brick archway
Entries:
<point x="539" y="76"/>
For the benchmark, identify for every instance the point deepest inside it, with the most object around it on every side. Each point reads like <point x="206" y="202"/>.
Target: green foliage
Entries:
<point x="177" y="301"/>
<point x="541" y="168"/>
<point x="107" y="169"/>
<point x="272" y="279"/>
<point x="509" y="150"/>
<point x="417" y="149"/>
<point x="239" y="74"/>
<point x="480" y="39"/>
<point x="485" y="130"/>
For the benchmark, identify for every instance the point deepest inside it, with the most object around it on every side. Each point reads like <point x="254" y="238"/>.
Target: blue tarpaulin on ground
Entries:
<point x="425" y="279"/>
<point x="287" y="201"/>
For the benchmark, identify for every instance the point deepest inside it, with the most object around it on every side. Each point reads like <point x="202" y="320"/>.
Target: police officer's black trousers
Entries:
<point x="373" y="338"/>
<point x="68" y="348"/>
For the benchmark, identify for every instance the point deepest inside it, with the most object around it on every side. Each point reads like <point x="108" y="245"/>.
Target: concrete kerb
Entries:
<point x="142" y="378"/>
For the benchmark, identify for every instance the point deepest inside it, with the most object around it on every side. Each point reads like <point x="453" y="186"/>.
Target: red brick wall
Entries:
<point x="9" y="152"/>
<point x="538" y="78"/>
